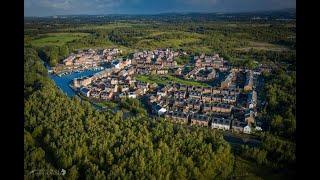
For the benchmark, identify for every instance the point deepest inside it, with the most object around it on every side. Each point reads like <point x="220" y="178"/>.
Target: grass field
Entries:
<point x="57" y="39"/>
<point x="173" y="43"/>
<point x="263" y="46"/>
<point x="166" y="79"/>
<point x="173" y="39"/>
<point x="97" y="27"/>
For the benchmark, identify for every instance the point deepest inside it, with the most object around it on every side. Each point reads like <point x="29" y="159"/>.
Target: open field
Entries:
<point x="231" y="37"/>
<point x="263" y="46"/>
<point x="57" y="39"/>
<point x="99" y="27"/>
<point x="173" y="43"/>
<point x="153" y="39"/>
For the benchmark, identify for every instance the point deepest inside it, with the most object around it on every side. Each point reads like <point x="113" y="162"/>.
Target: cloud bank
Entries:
<point x="67" y="7"/>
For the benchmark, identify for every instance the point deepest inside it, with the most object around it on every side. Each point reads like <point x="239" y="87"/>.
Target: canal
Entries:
<point x="64" y="81"/>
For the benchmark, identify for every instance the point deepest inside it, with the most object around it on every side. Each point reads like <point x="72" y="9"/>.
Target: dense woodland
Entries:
<point x="70" y="133"/>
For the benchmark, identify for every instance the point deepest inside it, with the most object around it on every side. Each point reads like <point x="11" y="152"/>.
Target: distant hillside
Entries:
<point x="284" y="14"/>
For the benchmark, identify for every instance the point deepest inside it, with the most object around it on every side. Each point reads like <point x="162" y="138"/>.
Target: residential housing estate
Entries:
<point x="217" y="107"/>
<point x="85" y="59"/>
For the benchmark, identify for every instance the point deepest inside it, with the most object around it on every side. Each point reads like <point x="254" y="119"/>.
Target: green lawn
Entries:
<point x="57" y="39"/>
<point x="166" y="79"/>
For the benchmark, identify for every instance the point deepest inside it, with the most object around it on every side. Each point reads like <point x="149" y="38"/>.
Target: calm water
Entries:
<point x="64" y="81"/>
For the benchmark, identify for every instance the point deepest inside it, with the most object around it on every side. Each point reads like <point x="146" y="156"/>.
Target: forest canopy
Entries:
<point x="70" y="134"/>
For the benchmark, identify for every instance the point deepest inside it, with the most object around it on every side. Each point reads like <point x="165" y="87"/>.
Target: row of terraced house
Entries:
<point x="214" y="107"/>
<point x="213" y="122"/>
<point x="154" y="62"/>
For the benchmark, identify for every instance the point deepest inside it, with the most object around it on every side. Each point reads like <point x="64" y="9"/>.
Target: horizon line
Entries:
<point x="170" y="12"/>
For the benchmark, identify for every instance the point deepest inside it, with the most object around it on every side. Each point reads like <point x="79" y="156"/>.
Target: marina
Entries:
<point x="63" y="81"/>
<point x="99" y="68"/>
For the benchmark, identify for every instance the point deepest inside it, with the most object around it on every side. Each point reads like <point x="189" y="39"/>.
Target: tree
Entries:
<point x="72" y="173"/>
<point x="53" y="56"/>
<point x="63" y="51"/>
<point x="277" y="122"/>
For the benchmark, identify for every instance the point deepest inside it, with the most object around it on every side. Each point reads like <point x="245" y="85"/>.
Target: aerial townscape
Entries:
<point x="217" y="106"/>
<point x="159" y="96"/>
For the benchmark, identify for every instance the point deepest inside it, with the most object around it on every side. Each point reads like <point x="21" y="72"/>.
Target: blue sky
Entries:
<point x="67" y="7"/>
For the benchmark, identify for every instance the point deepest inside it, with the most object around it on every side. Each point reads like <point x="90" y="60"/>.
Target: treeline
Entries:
<point x="70" y="134"/>
<point x="125" y="36"/>
<point x="53" y="54"/>
<point x="165" y="17"/>
<point x="272" y="32"/>
<point x="36" y="78"/>
<point x="280" y="111"/>
<point x="134" y="106"/>
<point x="97" y="39"/>
<point x="285" y="60"/>
<point x="274" y="152"/>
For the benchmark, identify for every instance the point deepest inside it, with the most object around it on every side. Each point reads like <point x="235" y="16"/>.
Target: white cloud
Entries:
<point x="73" y="4"/>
